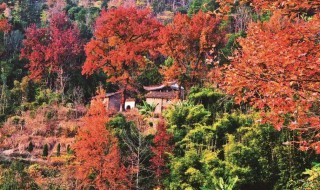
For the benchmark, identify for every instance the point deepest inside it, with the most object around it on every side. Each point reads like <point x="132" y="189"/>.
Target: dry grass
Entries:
<point x="49" y="125"/>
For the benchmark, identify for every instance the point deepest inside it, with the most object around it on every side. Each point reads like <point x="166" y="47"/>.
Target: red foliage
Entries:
<point x="5" y="26"/>
<point x="291" y="7"/>
<point x="97" y="151"/>
<point x="123" y="38"/>
<point x="51" y="49"/>
<point x="190" y="41"/>
<point x="3" y="7"/>
<point x="160" y="148"/>
<point x="278" y="71"/>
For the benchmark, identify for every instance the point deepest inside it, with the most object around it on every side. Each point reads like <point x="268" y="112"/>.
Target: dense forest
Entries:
<point x="206" y="94"/>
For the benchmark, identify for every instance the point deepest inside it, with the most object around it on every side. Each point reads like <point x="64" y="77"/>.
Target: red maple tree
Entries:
<point x="277" y="71"/>
<point x="124" y="39"/>
<point x="52" y="51"/>
<point x="160" y="149"/>
<point x="191" y="42"/>
<point x="97" y="151"/>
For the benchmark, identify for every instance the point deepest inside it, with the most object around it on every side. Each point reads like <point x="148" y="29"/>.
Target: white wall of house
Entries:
<point x="132" y="104"/>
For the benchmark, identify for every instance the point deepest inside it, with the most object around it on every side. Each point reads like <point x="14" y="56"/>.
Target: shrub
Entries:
<point x="313" y="180"/>
<point x="69" y="150"/>
<point x="15" y="120"/>
<point x="32" y="114"/>
<point x="30" y="147"/>
<point x="58" y="149"/>
<point x="45" y="150"/>
<point x="50" y="114"/>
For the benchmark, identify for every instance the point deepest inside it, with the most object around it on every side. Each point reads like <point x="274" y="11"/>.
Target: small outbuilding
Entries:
<point x="130" y="103"/>
<point x="112" y="102"/>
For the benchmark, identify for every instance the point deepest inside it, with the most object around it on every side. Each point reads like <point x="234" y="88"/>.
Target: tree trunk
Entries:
<point x="61" y="84"/>
<point x="123" y="100"/>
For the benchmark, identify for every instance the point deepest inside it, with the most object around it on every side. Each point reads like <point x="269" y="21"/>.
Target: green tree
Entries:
<point x="204" y="5"/>
<point x="135" y="149"/>
<point x="233" y="145"/>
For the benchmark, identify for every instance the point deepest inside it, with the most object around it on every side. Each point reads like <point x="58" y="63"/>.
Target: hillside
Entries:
<point x="152" y="94"/>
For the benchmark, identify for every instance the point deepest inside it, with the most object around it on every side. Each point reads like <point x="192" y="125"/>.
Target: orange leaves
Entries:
<point x="278" y="71"/>
<point x="123" y="37"/>
<point x="188" y="41"/>
<point x="97" y="151"/>
<point x="291" y="8"/>
<point x="114" y="40"/>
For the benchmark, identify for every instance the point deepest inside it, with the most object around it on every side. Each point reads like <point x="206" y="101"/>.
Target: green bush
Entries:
<point x="313" y="180"/>
<point x="46" y="96"/>
<point x="50" y="114"/>
<point x="32" y="114"/>
<point x="69" y="150"/>
<point x="15" y="120"/>
<point x="15" y="178"/>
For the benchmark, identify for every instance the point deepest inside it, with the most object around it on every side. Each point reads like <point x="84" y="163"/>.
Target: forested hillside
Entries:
<point x="160" y="94"/>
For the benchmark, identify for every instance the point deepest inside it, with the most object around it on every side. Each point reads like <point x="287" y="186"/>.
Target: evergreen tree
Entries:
<point x="58" y="149"/>
<point x="45" y="150"/>
<point x="30" y="147"/>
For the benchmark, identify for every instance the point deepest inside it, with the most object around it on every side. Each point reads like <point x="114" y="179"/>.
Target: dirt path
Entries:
<point x="31" y="159"/>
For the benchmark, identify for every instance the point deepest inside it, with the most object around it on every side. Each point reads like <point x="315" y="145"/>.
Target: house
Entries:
<point x="163" y="95"/>
<point x="112" y="102"/>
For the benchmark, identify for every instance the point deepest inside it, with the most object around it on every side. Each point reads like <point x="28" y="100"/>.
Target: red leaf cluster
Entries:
<point x="160" y="149"/>
<point x="5" y="26"/>
<point x="52" y="48"/>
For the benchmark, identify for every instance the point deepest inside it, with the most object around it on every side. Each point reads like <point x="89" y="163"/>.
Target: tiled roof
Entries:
<point x="172" y="85"/>
<point x="154" y="87"/>
<point x="111" y="94"/>
<point x="162" y="95"/>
